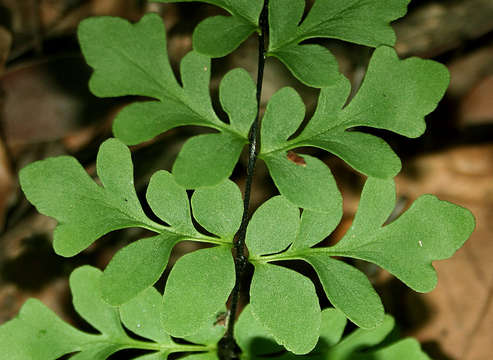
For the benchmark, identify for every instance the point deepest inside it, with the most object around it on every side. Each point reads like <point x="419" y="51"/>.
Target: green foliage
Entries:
<point x="407" y="246"/>
<point x="55" y="185"/>
<point x="136" y="267"/>
<point x="280" y="313"/>
<point x="220" y="35"/>
<point x="193" y="298"/>
<point x="309" y="185"/>
<point x="265" y="234"/>
<point x="256" y="342"/>
<point x="395" y="95"/>
<point x="252" y="337"/>
<point x="142" y="316"/>
<point x="430" y="230"/>
<point x="341" y="282"/>
<point x="361" y="22"/>
<point x="219" y="209"/>
<point x="316" y="226"/>
<point x="284" y="319"/>
<point x="237" y="93"/>
<point x="37" y="333"/>
<point x="127" y="61"/>
<point x="216" y="163"/>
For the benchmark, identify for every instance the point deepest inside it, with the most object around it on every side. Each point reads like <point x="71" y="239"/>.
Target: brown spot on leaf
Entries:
<point x="294" y="157"/>
<point x="221" y="318"/>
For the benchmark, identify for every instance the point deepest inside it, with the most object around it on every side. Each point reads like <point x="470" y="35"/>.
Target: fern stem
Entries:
<point x="227" y="348"/>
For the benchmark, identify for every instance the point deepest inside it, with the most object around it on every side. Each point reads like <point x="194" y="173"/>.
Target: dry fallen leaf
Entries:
<point x="461" y="306"/>
<point x="48" y="100"/>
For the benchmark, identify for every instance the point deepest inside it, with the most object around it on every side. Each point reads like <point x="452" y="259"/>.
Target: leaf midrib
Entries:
<point x="181" y="97"/>
<point x="305" y="35"/>
<point x="147" y="223"/>
<point x="305" y="140"/>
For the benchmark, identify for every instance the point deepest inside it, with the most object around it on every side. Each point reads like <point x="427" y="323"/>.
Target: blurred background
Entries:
<point x="47" y="110"/>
